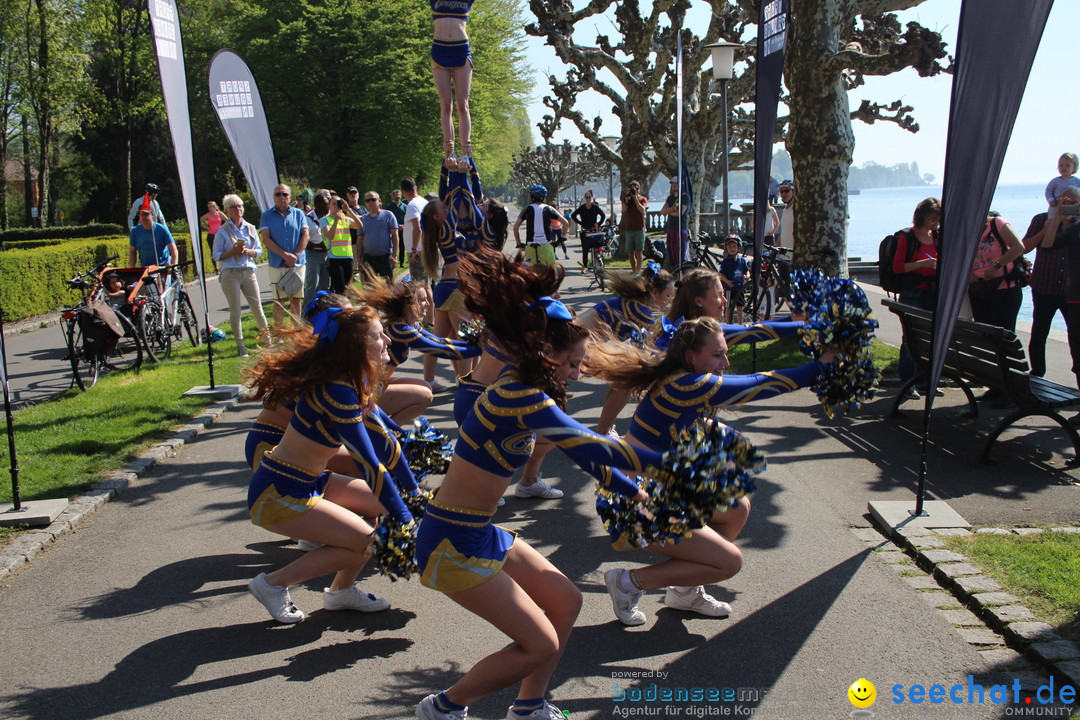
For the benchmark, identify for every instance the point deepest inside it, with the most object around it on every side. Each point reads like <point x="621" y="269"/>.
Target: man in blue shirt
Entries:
<point x="378" y="238"/>
<point x="150" y="242"/>
<point x="285" y="235"/>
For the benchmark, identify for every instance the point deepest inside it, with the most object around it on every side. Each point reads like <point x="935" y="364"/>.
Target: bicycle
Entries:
<point x="600" y="244"/>
<point x="773" y="284"/>
<point x="179" y="316"/>
<point x="702" y="253"/>
<point x="90" y="348"/>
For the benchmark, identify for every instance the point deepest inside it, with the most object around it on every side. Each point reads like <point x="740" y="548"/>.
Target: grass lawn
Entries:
<point x="785" y="354"/>
<point x="67" y="444"/>
<point x="1042" y="570"/>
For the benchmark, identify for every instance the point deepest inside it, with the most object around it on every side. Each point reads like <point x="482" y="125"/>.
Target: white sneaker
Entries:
<point x="426" y="710"/>
<point x="624" y="603"/>
<point x="613" y="433"/>
<point x="537" y="489"/>
<point x="502" y="501"/>
<point x="352" y="599"/>
<point x="547" y="711"/>
<point x="697" y="600"/>
<point x="436" y="387"/>
<point x="276" y="600"/>
<point x="308" y="545"/>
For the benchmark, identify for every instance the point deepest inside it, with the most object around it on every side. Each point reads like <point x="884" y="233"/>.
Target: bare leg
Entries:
<point x="404" y="400"/>
<point x="462" y="86"/>
<point x="443" y="84"/>
<point x="636" y="258"/>
<point x="536" y="606"/>
<point x="614" y="402"/>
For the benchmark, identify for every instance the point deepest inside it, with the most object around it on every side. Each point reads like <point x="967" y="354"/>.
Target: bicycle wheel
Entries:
<point x="764" y="308"/>
<point x="189" y="320"/>
<point x="157" y="341"/>
<point x="84" y="367"/>
<point x="598" y="271"/>
<point x="127" y="353"/>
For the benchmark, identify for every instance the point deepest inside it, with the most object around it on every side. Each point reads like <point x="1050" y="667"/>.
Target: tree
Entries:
<point x="832" y="46"/>
<point x="553" y="167"/>
<point x="9" y="69"/>
<point x="641" y="63"/>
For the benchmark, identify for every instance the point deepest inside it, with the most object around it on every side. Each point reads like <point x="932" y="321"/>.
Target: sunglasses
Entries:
<point x="233" y="207"/>
<point x="354" y="192"/>
<point x="371" y="199"/>
<point x="281" y="194"/>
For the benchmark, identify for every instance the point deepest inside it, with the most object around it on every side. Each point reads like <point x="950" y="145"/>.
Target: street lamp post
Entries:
<point x="575" y="155"/>
<point x="612" y="143"/>
<point x="723" y="57"/>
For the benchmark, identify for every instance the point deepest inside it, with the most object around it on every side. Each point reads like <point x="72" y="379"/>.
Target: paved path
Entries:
<point x="144" y="612"/>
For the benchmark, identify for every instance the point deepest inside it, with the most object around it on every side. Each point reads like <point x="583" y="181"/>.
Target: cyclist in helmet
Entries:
<point x="538" y="218"/>
<point x="149" y="199"/>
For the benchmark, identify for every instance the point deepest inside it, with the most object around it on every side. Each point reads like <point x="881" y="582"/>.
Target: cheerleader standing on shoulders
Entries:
<point x="484" y="568"/>
<point x="680" y="386"/>
<point x="327" y="376"/>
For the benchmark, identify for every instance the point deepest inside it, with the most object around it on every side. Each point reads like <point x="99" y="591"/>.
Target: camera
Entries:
<point x="1070" y="209"/>
<point x="340" y="203"/>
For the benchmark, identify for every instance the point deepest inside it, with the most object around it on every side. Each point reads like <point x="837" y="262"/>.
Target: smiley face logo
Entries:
<point x="862" y="693"/>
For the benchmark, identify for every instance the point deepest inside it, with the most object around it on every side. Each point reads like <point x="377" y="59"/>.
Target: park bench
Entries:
<point x="990" y="356"/>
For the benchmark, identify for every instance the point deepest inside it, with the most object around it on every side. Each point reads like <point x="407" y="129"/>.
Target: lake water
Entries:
<point x="873" y="214"/>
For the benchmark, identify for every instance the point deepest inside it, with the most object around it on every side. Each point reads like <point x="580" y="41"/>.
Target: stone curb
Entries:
<point x="29" y="544"/>
<point x="1009" y="622"/>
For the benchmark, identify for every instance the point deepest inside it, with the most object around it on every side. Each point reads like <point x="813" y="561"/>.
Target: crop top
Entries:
<point x="405" y="337"/>
<point x="451" y="9"/>
<point x="681" y="400"/>
<point x="331" y="415"/>
<point x="624" y="316"/>
<point x="499" y="433"/>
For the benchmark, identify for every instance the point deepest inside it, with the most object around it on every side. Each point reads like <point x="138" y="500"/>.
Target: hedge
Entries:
<point x="33" y="281"/>
<point x="42" y="236"/>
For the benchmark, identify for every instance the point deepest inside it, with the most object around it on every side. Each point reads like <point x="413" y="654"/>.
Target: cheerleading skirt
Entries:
<point x="468" y="390"/>
<point x="261" y="437"/>
<point x="446" y="295"/>
<point x="459" y="548"/>
<point x="279" y="492"/>
<point x="451" y="53"/>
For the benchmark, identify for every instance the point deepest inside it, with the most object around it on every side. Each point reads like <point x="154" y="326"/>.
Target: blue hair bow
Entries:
<point x="552" y="308"/>
<point x="325" y="326"/>
<point x="315" y="301"/>
<point x="652" y="266"/>
<point x="667" y="332"/>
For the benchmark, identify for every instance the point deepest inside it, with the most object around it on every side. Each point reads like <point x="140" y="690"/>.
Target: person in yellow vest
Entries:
<point x="335" y="228"/>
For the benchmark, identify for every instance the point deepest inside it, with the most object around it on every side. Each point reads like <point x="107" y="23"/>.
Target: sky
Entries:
<point x="1037" y="141"/>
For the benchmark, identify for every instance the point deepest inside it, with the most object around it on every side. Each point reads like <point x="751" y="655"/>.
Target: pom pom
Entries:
<point x="471" y="331"/>
<point x="395" y="548"/>
<point x="708" y="469"/>
<point x="416" y="501"/>
<point x="426" y="449"/>
<point x="839" y="318"/>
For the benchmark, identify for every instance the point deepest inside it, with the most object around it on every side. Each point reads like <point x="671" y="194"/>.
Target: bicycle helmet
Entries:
<point x="151" y="188"/>
<point x="538" y="191"/>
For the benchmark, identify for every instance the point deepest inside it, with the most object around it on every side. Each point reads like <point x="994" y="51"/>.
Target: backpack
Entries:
<point x="888" y="280"/>
<point x="1021" y="266"/>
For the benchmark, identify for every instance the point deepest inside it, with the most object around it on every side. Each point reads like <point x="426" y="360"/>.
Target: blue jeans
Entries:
<point x="925" y="300"/>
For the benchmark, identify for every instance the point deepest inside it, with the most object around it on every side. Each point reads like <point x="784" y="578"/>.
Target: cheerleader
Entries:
<point x="480" y="566"/>
<point x="680" y="386"/>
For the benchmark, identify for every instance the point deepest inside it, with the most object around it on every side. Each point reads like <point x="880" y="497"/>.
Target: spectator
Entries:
<point x="916" y="261"/>
<point x="995" y="300"/>
<point x="787" y="220"/>
<point x="1066" y="179"/>
<point x="677" y="226"/>
<point x="538" y="218"/>
<point x="149" y="199"/>
<point x="733" y="272"/>
<point x="211" y="222"/>
<point x="1063" y="230"/>
<point x="378" y="237"/>
<point x="316" y="273"/>
<point x="1049" y="289"/>
<point x="634" y="206"/>
<point x="336" y="229"/>
<point x="558" y="238"/>
<point x="588" y="216"/>
<point x="237" y="248"/>
<point x="150" y="242"/>
<point x="284" y="233"/>
<point x="398" y="206"/>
